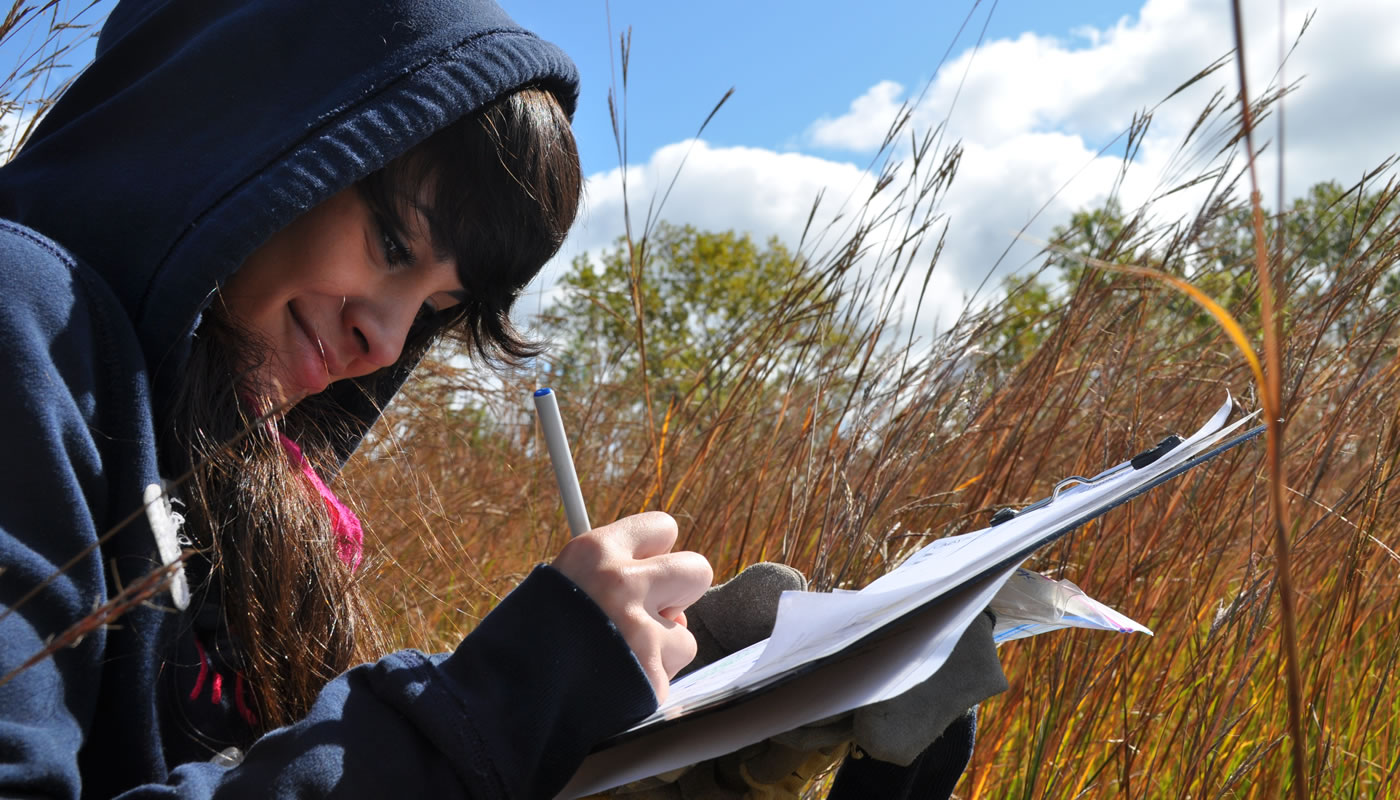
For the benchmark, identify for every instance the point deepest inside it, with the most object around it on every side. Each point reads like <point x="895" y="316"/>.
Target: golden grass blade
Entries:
<point x="1271" y="395"/>
<point x="1224" y="318"/>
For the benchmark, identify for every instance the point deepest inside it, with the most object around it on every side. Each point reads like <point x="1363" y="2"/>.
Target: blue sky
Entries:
<point x="789" y="63"/>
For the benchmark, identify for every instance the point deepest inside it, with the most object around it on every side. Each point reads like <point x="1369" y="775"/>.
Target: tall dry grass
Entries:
<point x="42" y="44"/>
<point x="840" y="447"/>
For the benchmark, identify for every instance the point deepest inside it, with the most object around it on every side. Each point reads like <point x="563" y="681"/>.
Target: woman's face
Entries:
<point x="333" y="296"/>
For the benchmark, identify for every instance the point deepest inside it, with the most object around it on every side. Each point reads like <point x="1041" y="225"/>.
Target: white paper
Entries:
<point x="845" y="684"/>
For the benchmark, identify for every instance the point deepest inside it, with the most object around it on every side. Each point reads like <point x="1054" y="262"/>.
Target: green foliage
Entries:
<point x="1329" y="233"/>
<point x="1027" y="306"/>
<point x="697" y="294"/>
<point x="1100" y="233"/>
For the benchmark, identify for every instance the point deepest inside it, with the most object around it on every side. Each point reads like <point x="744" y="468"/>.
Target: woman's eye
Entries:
<point x="396" y="253"/>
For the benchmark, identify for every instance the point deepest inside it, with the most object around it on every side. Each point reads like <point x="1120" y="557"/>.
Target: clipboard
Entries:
<point x="890" y="654"/>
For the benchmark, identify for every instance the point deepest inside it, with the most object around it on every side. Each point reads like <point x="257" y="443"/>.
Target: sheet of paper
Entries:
<point x="886" y="669"/>
<point x="1030" y="604"/>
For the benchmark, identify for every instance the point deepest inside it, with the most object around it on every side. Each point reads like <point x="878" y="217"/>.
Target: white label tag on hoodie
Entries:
<point x="165" y="524"/>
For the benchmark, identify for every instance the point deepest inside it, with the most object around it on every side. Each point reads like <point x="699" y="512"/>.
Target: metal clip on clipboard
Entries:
<point x="1138" y="461"/>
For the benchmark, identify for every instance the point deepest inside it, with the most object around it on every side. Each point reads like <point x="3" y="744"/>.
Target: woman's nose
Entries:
<point x="378" y="329"/>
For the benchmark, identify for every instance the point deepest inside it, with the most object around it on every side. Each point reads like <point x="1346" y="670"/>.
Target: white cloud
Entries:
<point x="14" y="122"/>
<point x="864" y="126"/>
<point x="761" y="192"/>
<point x="751" y="189"/>
<point x="1339" y="121"/>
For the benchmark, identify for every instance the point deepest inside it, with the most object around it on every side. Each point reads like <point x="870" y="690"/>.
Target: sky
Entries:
<point x="1037" y="94"/>
<point x="1048" y="87"/>
<point x="786" y="61"/>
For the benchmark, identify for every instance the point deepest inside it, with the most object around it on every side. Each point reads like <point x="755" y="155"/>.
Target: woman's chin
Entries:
<point x="272" y="396"/>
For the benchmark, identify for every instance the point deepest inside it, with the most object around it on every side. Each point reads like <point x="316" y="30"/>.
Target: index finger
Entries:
<point x="677" y="580"/>
<point x="651" y="533"/>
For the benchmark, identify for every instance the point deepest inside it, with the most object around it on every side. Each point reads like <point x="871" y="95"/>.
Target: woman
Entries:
<point x="225" y="248"/>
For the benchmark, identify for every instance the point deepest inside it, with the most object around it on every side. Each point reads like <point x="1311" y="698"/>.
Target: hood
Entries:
<point x="204" y="126"/>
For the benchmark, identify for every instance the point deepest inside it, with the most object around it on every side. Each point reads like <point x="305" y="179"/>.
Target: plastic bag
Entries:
<point x="1030" y="603"/>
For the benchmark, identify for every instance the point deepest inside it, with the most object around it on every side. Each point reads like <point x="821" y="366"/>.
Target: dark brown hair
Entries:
<point x="503" y="187"/>
<point x="502" y="196"/>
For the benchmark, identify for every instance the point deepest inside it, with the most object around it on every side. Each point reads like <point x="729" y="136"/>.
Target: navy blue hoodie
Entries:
<point x="203" y="127"/>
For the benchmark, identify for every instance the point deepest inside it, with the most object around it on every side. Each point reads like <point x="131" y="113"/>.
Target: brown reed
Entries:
<point x="840" y="451"/>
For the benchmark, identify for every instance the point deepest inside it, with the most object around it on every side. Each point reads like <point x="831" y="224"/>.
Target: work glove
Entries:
<point x="920" y="740"/>
<point x="729" y="617"/>
<point x="726" y="619"/>
<point x="917" y="745"/>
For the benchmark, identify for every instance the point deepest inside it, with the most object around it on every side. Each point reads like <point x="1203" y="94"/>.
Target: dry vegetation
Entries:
<point x="834" y="443"/>
<point x="840" y="447"/>
<point x="41" y="41"/>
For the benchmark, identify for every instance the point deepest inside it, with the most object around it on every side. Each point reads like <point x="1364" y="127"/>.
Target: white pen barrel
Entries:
<point x="547" y="406"/>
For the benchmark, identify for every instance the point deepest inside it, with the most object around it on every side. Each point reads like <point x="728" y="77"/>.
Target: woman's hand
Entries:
<point x="630" y="572"/>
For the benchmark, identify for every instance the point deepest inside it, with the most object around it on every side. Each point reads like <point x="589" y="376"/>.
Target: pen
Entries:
<point x="547" y="406"/>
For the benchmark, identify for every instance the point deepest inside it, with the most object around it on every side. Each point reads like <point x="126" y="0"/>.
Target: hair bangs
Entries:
<point x="500" y="190"/>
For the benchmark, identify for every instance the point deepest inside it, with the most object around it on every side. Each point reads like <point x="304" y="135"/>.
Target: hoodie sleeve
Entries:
<point x="510" y="714"/>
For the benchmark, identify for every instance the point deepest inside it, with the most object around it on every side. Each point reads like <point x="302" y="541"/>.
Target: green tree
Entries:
<point x="1025" y="319"/>
<point x="1331" y="233"/>
<point x="1334" y="238"/>
<point x="1030" y="305"/>
<point x="704" y="299"/>
<point x="1102" y="233"/>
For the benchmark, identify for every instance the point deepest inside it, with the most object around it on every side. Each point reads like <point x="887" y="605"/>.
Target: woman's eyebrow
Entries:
<point x="431" y="226"/>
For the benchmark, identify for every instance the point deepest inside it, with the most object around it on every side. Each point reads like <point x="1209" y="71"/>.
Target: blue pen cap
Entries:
<point x="542" y="392"/>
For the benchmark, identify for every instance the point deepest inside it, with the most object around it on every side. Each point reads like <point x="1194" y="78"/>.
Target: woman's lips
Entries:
<point x="310" y="370"/>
